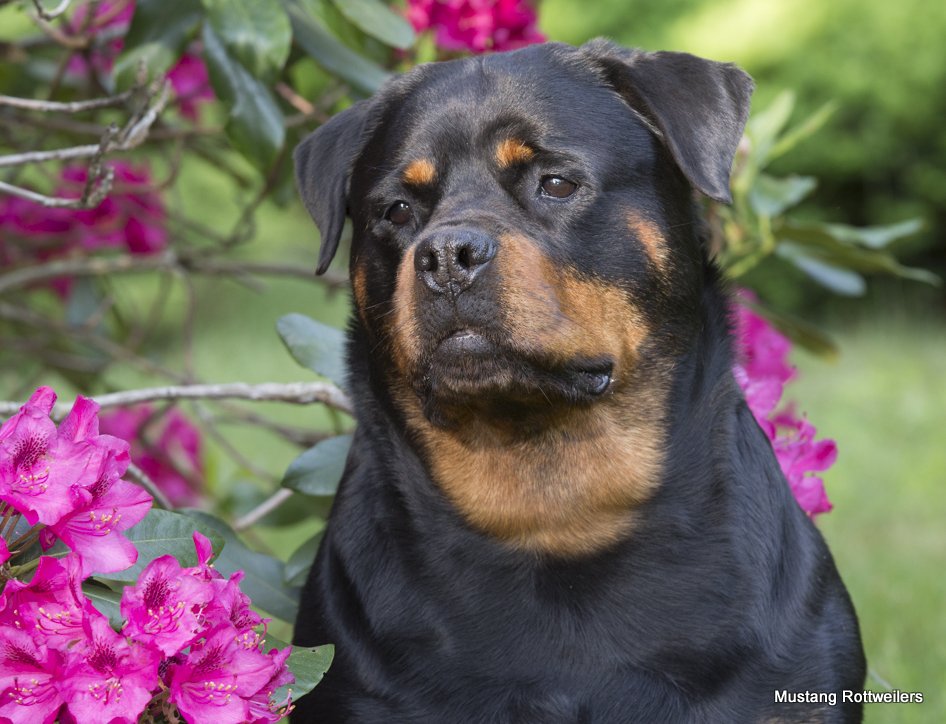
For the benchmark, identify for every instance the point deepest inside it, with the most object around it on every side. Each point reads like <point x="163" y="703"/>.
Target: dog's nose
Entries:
<point x="450" y="260"/>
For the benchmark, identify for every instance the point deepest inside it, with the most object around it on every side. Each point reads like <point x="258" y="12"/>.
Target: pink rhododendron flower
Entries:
<point x="169" y="449"/>
<point x="30" y="678"/>
<point x="51" y="606"/>
<point x="191" y="84"/>
<point x="263" y="709"/>
<point x="93" y="528"/>
<point x="761" y="370"/>
<point x="476" y="25"/>
<point x="219" y="677"/>
<point x="108" y="679"/>
<point x="37" y="468"/>
<point x="165" y="608"/>
<point x="131" y="216"/>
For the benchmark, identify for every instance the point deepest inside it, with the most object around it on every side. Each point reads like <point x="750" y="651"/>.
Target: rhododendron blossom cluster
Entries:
<point x="476" y="25"/>
<point x="190" y="645"/>
<point x="762" y="370"/>
<point x="132" y="217"/>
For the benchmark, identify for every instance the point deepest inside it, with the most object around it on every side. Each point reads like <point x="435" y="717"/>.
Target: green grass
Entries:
<point x="884" y="403"/>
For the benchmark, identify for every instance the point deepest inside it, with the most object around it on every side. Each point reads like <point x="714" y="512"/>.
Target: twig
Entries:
<point x="51" y="14"/>
<point x="298" y="393"/>
<point x="263" y="509"/>
<point x="30" y="104"/>
<point x="168" y="260"/>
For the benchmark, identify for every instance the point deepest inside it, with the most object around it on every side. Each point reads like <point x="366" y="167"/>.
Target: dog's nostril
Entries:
<point x="427" y="262"/>
<point x="463" y="257"/>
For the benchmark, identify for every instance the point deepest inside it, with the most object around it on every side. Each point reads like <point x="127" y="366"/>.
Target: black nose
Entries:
<point x="451" y="259"/>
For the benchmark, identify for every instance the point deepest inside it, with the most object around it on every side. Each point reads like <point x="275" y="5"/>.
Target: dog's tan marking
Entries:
<point x="512" y="151"/>
<point x="359" y="290"/>
<point x="404" y="332"/>
<point x="571" y="488"/>
<point x="420" y="172"/>
<point x="649" y="235"/>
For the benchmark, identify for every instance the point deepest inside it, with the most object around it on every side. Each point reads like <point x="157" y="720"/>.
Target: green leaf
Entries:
<point x="264" y="575"/>
<point x="840" y="281"/>
<point x="799" y="133"/>
<point x="308" y="665"/>
<point x="310" y="33"/>
<point x="828" y="248"/>
<point x="256" y="33"/>
<point x="315" y="346"/>
<point x="158" y="32"/>
<point x="764" y="127"/>
<point x="164" y="532"/>
<point x="106" y="601"/>
<point x="770" y="196"/>
<point x="874" y="237"/>
<point x="297" y="568"/>
<point x="378" y="21"/>
<point x="255" y="124"/>
<point x="318" y="470"/>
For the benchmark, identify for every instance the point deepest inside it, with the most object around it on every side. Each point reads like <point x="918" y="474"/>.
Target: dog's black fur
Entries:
<point x="708" y="589"/>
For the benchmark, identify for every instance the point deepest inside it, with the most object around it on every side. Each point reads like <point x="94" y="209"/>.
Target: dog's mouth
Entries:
<point x="470" y="369"/>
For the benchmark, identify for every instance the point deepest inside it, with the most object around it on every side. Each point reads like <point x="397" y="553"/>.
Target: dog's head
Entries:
<point x="523" y="247"/>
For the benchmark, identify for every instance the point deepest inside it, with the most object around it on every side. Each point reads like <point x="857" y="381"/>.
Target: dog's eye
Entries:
<point x="399" y="213"/>
<point x="558" y="187"/>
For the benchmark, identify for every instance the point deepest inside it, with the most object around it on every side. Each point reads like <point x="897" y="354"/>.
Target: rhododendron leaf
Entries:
<point x="378" y="21"/>
<point x="106" y="602"/>
<point x="158" y="32"/>
<point x="874" y="237"/>
<point x="299" y="563"/>
<point x="328" y="51"/>
<point x="255" y="32"/>
<point x="840" y="281"/>
<point x="164" y="533"/>
<point x="319" y="469"/>
<point x="314" y="345"/>
<point x="764" y="127"/>
<point x="255" y="124"/>
<point x="840" y="246"/>
<point x="264" y="575"/>
<point x="308" y="665"/>
<point x="770" y="196"/>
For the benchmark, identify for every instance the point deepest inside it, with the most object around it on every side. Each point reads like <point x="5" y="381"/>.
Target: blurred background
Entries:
<point x="838" y="228"/>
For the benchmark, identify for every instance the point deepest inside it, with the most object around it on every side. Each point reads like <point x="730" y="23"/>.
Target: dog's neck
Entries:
<point x="581" y="484"/>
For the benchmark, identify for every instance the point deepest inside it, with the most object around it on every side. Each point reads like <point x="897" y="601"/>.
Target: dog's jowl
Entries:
<point x="557" y="506"/>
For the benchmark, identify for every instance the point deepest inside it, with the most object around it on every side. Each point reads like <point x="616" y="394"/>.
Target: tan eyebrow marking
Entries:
<point x="419" y="173"/>
<point x="511" y="151"/>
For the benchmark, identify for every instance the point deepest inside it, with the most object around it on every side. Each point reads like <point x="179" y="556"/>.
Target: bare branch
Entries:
<point x="130" y="136"/>
<point x="30" y="104"/>
<point x="168" y="260"/>
<point x="298" y="393"/>
<point x="51" y="14"/>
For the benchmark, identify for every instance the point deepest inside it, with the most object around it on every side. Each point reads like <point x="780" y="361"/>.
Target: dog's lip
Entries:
<point x="465" y="341"/>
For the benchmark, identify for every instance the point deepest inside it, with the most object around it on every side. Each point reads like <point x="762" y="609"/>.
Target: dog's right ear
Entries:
<point x="323" y="164"/>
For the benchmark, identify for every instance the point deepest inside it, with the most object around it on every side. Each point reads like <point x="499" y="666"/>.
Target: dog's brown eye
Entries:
<point x="399" y="213"/>
<point x="558" y="187"/>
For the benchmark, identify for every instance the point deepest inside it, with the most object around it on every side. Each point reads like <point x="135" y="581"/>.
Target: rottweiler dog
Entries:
<point x="557" y="507"/>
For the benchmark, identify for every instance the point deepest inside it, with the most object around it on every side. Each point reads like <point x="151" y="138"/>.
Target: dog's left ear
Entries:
<point x="323" y="164"/>
<point x="698" y="106"/>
